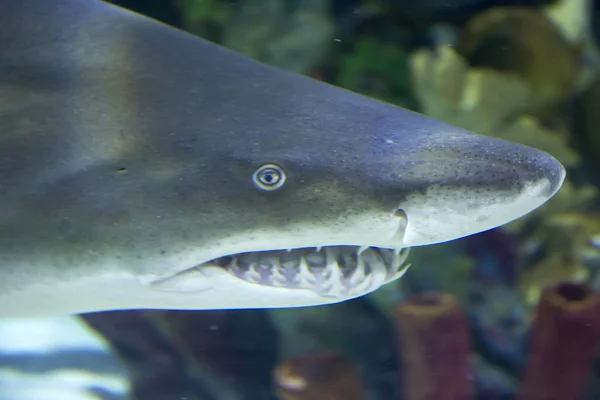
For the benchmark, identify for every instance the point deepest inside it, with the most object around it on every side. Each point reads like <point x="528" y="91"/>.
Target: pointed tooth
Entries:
<point x="406" y="253"/>
<point x="379" y="273"/>
<point x="400" y="265"/>
<point x="279" y="279"/>
<point x="334" y="277"/>
<point x="359" y="273"/>
<point x="399" y="273"/>
<point x="403" y="257"/>
<point x="361" y="250"/>
<point x="363" y="285"/>
<point x="304" y="275"/>
<point x="319" y="248"/>
<point x="330" y="259"/>
<point x="396" y="263"/>
<point x="359" y="280"/>
<point x="252" y="275"/>
<point x="321" y="283"/>
<point x="233" y="265"/>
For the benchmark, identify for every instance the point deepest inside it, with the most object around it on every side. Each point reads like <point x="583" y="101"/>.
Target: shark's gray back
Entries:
<point x="77" y="71"/>
<point x="83" y="83"/>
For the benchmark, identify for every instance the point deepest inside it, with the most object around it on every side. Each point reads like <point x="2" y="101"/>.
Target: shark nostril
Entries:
<point x="399" y="213"/>
<point x="401" y="225"/>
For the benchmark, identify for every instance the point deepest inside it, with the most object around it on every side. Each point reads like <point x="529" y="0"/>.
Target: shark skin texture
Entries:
<point x="142" y="167"/>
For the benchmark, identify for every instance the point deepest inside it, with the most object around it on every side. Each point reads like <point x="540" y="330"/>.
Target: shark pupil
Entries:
<point x="269" y="177"/>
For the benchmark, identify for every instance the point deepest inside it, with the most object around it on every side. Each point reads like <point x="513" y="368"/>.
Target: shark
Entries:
<point x="142" y="167"/>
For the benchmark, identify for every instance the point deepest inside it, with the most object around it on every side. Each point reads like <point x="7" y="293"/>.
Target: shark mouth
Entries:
<point x="332" y="271"/>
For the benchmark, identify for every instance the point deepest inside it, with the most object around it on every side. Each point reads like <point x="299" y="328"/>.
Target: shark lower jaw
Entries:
<point x="331" y="271"/>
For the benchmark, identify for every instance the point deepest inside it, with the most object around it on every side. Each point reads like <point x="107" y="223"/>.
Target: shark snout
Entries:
<point x="511" y="166"/>
<point x="469" y="184"/>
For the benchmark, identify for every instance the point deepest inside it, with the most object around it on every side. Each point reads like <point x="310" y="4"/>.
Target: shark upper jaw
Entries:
<point x="319" y="268"/>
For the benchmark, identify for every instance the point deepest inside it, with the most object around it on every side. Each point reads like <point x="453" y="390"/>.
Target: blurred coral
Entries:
<point x="509" y="98"/>
<point x="482" y="100"/>
<point x="318" y="376"/>
<point x="218" y="346"/>
<point x="192" y="354"/>
<point x="525" y="42"/>
<point x="565" y="334"/>
<point x="443" y="10"/>
<point x="574" y="19"/>
<point x="587" y="120"/>
<point x="569" y="199"/>
<point x="434" y="349"/>
<point x="377" y="68"/>
<point x="157" y="370"/>
<point x="563" y="249"/>
<point x="499" y="327"/>
<point x="293" y="36"/>
<point x="358" y="329"/>
<point x="427" y="275"/>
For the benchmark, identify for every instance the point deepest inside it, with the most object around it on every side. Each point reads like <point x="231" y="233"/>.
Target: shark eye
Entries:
<point x="269" y="177"/>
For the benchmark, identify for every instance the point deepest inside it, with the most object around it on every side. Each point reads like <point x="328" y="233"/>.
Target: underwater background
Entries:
<point x="512" y="313"/>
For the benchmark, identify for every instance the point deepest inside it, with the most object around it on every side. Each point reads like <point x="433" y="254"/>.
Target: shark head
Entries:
<point x="328" y="212"/>
<point x="146" y="168"/>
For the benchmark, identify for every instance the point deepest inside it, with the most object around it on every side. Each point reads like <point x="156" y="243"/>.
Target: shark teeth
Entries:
<point x="340" y="271"/>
